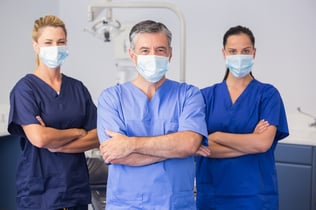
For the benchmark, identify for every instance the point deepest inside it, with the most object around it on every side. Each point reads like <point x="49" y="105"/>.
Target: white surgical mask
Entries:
<point x="152" y="67"/>
<point x="53" y="56"/>
<point x="239" y="65"/>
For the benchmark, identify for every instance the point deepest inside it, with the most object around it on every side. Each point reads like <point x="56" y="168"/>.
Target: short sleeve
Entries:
<point x="91" y="111"/>
<point x="23" y="108"/>
<point x="273" y="111"/>
<point x="193" y="115"/>
<point x="108" y="113"/>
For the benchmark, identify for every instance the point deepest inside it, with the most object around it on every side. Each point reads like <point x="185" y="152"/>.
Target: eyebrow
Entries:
<point x="156" y="48"/>
<point x="161" y="47"/>
<point x="50" y="40"/>
<point x="229" y="48"/>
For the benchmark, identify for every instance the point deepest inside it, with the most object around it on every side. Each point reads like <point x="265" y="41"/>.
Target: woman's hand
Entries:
<point x="261" y="126"/>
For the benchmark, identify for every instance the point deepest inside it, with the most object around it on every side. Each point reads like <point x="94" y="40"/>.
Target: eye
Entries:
<point x="61" y="43"/>
<point x="232" y="51"/>
<point x="47" y="43"/>
<point x="144" y="51"/>
<point x="246" y="51"/>
<point x="161" y="51"/>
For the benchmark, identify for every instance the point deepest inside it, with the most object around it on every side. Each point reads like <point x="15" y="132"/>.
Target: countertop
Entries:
<point x="300" y="130"/>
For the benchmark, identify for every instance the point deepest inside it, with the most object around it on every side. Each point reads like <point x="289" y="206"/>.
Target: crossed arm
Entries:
<point x="137" y="151"/>
<point x="72" y="140"/>
<point x="225" y="145"/>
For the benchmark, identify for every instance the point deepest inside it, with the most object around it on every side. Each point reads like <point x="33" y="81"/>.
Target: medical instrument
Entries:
<point x="309" y="115"/>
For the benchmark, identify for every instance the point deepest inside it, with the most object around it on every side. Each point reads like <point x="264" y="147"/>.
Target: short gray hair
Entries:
<point x="148" y="26"/>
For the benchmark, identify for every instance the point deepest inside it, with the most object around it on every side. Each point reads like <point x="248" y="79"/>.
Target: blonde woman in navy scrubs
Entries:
<point x="55" y="119"/>
<point x="245" y="119"/>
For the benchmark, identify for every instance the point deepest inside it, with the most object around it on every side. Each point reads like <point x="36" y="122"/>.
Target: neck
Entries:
<point x="47" y="74"/>
<point x="50" y="76"/>
<point x="149" y="89"/>
<point x="238" y="82"/>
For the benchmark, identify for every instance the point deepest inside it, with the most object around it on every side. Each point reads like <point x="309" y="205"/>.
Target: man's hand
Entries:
<point x="118" y="146"/>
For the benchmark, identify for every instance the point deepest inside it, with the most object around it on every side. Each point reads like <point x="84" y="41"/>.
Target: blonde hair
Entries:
<point x="49" y="20"/>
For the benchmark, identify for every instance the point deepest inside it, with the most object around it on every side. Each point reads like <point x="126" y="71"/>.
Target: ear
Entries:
<point x="132" y="56"/>
<point x="170" y="56"/>
<point x="254" y="53"/>
<point x="35" y="47"/>
<point x="223" y="51"/>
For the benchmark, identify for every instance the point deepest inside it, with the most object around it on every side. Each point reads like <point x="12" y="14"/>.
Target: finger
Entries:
<point x="266" y="124"/>
<point x="39" y="119"/>
<point x="109" y="133"/>
<point x="103" y="146"/>
<point x="104" y="157"/>
<point x="108" y="160"/>
<point x="204" y="151"/>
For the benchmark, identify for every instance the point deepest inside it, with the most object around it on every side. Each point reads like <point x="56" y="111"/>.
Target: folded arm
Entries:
<point x="46" y="137"/>
<point x="82" y="144"/>
<point x="60" y="140"/>
<point x="136" y="159"/>
<point x="246" y="143"/>
<point x="145" y="150"/>
<point x="225" y="145"/>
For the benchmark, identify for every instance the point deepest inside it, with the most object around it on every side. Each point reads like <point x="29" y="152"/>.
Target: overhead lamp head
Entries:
<point x="105" y="29"/>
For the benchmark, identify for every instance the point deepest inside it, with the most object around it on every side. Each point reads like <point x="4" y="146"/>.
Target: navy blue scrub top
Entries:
<point x="47" y="180"/>
<point x="247" y="182"/>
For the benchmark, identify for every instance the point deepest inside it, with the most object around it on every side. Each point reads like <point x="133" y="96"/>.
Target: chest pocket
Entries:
<point x="150" y="127"/>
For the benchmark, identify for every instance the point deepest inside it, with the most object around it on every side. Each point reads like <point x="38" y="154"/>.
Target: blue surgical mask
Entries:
<point x="53" y="56"/>
<point x="239" y="65"/>
<point x="152" y="67"/>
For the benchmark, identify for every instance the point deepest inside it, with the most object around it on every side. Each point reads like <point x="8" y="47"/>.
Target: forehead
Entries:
<point x="238" y="41"/>
<point x="151" y="40"/>
<point x="50" y="32"/>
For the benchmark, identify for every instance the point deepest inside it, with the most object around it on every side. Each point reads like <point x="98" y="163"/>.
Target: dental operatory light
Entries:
<point x="105" y="29"/>
<point x="96" y="7"/>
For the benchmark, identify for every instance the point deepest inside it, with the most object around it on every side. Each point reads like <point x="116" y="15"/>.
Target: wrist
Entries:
<point x="134" y="144"/>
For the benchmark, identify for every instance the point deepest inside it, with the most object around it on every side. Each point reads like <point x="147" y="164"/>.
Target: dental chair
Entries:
<point x="98" y="172"/>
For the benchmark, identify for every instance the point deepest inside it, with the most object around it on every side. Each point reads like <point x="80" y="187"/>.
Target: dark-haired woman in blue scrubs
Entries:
<point x="245" y="119"/>
<point x="55" y="119"/>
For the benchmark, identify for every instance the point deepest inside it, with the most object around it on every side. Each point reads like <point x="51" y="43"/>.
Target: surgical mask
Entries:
<point x="239" y="65"/>
<point x="53" y="56"/>
<point x="152" y="67"/>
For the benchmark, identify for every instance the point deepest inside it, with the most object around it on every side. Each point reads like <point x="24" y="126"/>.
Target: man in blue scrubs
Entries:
<point x="150" y="129"/>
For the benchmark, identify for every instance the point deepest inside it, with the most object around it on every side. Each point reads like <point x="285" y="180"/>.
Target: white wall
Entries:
<point x="285" y="39"/>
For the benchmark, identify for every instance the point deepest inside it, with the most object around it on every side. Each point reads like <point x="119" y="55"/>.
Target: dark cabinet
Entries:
<point x="296" y="176"/>
<point x="9" y="152"/>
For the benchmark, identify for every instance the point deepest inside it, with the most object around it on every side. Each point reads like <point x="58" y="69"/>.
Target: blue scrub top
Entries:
<point x="248" y="182"/>
<point x="47" y="180"/>
<point x="164" y="185"/>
